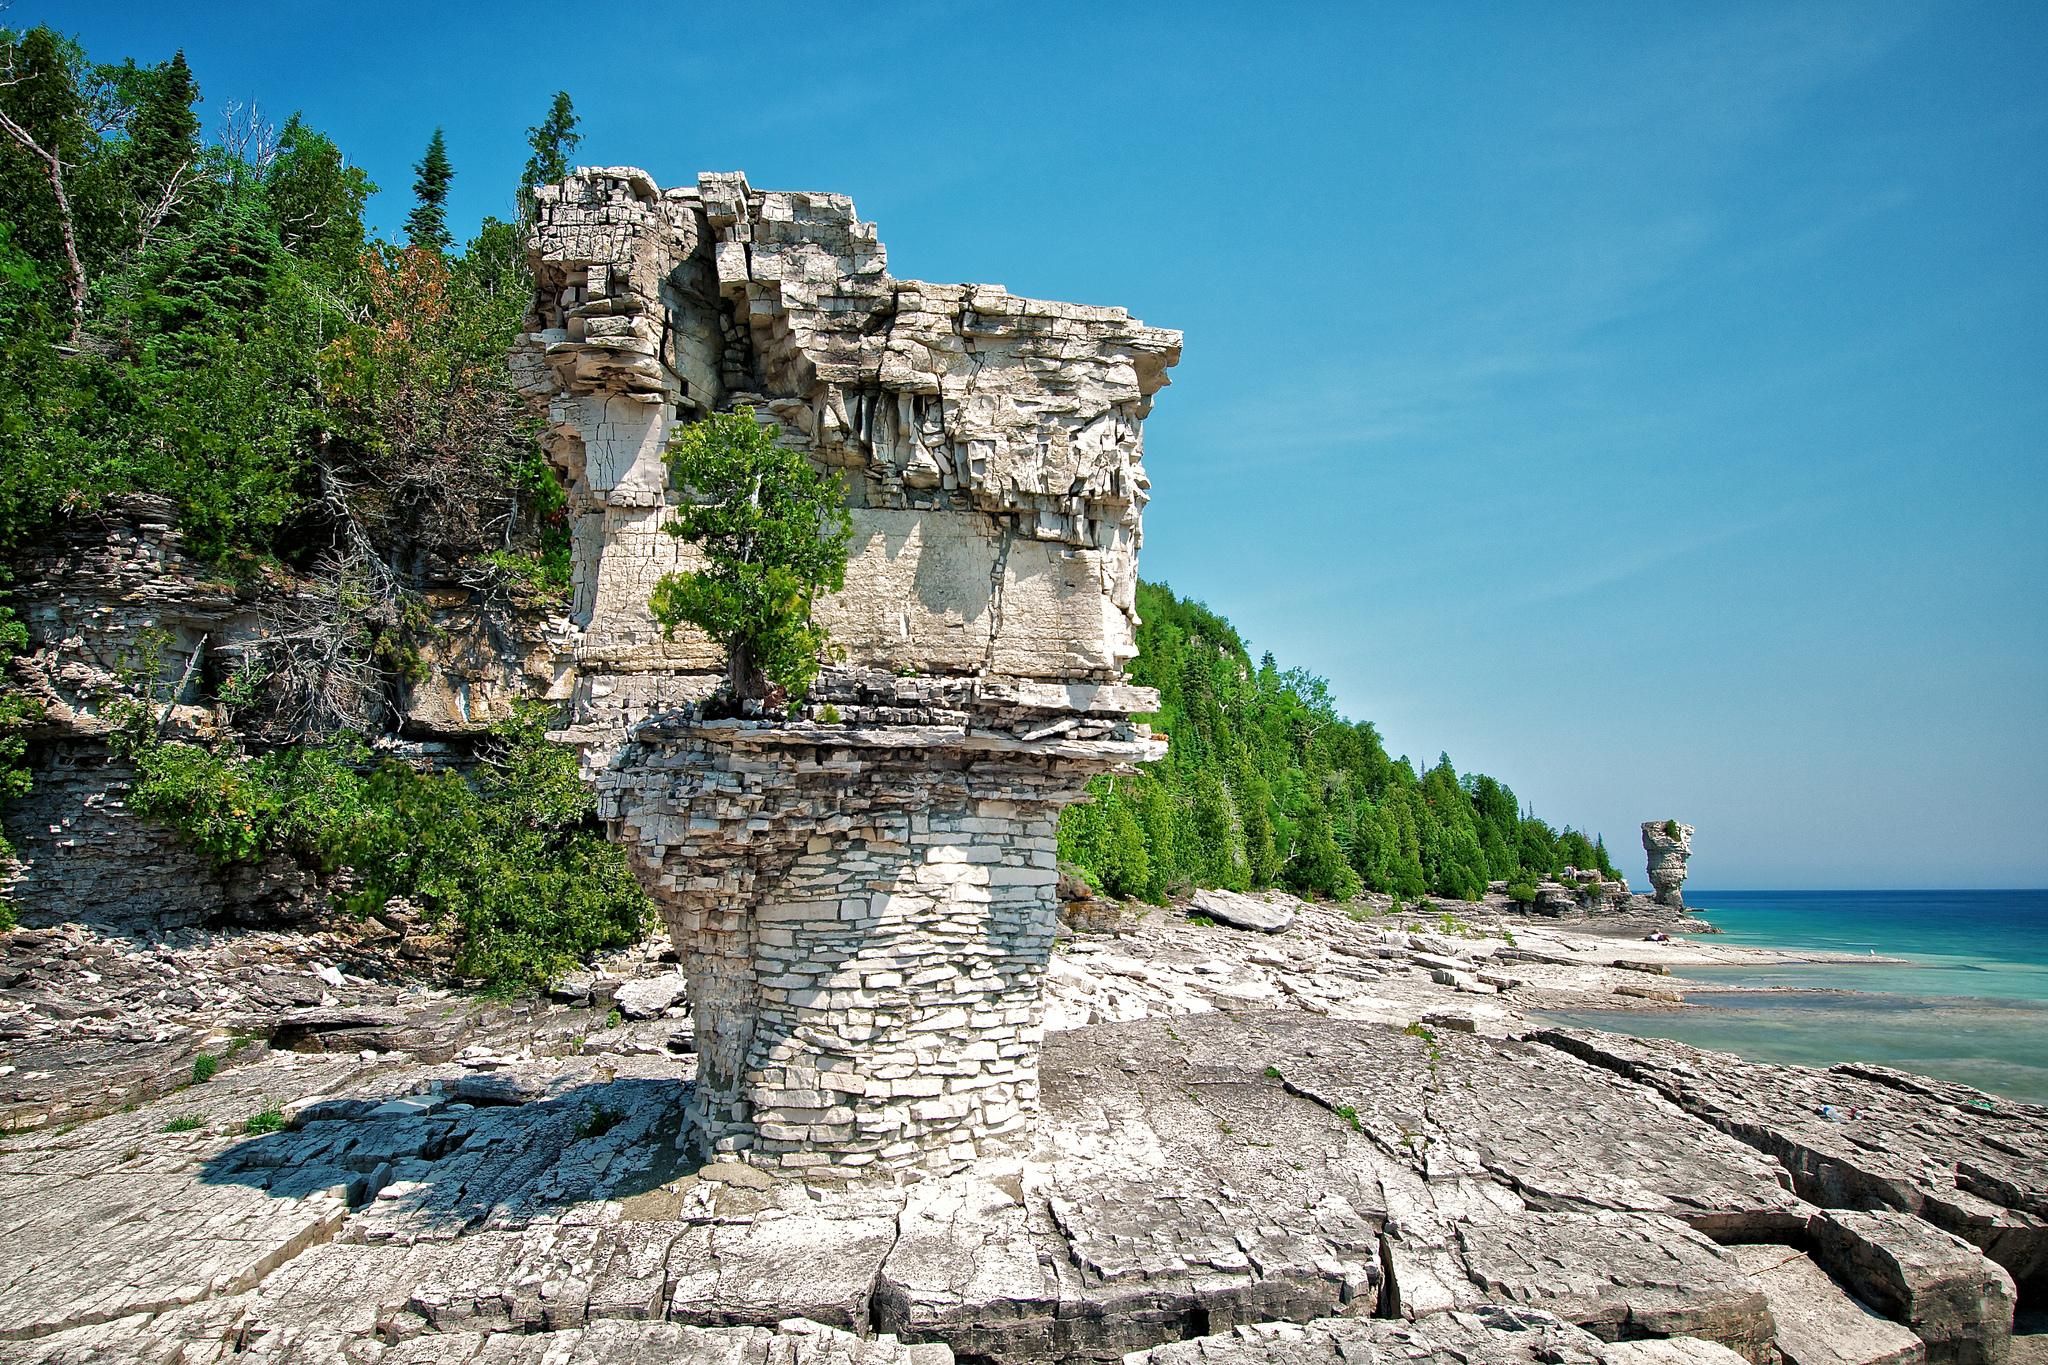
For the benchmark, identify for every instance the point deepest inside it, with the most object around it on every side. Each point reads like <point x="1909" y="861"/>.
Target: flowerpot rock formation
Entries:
<point x="863" y="895"/>
<point x="1667" y="853"/>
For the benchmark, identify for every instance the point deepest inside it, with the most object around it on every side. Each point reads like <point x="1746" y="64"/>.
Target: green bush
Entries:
<point x="510" y="858"/>
<point x="204" y="1068"/>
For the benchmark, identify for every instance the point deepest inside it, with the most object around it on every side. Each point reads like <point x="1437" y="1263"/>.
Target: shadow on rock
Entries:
<point x="484" y="1151"/>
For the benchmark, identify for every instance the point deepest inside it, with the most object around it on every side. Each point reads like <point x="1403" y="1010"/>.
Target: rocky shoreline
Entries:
<point x="1344" y="1139"/>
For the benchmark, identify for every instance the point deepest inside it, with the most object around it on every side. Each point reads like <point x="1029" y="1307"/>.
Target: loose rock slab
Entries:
<point x="1818" y="1324"/>
<point x="1244" y="912"/>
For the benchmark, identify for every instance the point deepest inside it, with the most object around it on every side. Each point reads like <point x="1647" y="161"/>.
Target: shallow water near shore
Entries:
<point x="1968" y="1001"/>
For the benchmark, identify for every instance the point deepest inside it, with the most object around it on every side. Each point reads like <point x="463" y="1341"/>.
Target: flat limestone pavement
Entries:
<point x="1239" y="1184"/>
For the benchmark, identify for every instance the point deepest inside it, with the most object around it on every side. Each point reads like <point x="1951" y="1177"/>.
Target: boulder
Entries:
<point x="651" y="997"/>
<point x="1244" y="912"/>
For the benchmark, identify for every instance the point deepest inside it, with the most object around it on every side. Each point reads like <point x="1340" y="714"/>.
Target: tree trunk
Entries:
<point x="54" y="169"/>
<point x="749" y="683"/>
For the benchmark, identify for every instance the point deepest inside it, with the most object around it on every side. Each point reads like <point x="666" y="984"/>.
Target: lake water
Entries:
<point x="1969" y="1003"/>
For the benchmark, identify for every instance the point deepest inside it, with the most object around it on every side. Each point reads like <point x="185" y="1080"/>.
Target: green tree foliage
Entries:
<point x="316" y="199"/>
<point x="774" y="533"/>
<point x="163" y="135"/>
<point x="1266" y="785"/>
<point x="553" y="141"/>
<point x="426" y="226"/>
<point x="311" y="400"/>
<point x="510" y="860"/>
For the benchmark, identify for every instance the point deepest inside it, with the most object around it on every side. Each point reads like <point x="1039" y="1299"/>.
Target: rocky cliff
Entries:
<point x="862" y="892"/>
<point x="117" y="611"/>
<point x="1668" y="845"/>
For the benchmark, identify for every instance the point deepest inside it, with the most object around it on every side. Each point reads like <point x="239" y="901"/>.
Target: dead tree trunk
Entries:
<point x="53" y="168"/>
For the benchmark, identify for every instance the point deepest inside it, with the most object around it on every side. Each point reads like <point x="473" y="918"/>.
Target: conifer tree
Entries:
<point x="553" y="141"/>
<point x="163" y="137"/>
<point x="774" y="532"/>
<point x="427" y="226"/>
<point x="316" y="198"/>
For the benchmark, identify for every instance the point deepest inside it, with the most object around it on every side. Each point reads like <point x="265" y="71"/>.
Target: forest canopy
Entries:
<point x="1266" y="785"/>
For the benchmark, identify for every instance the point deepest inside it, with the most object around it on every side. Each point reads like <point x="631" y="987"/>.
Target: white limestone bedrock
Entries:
<point x="864" y="908"/>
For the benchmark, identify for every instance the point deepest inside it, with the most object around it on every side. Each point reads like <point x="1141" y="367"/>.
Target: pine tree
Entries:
<point x="774" y="533"/>
<point x="427" y="226"/>
<point x="553" y="141"/>
<point x="163" y="139"/>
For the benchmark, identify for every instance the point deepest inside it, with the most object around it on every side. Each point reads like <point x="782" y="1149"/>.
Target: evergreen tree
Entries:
<point x="1317" y="867"/>
<point x="774" y="532"/>
<point x="427" y="226"/>
<point x="316" y="199"/>
<point x="553" y="141"/>
<point x="163" y="138"/>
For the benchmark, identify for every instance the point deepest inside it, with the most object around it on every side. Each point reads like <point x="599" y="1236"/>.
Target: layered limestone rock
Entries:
<point x="863" y="895"/>
<point x="117" y="611"/>
<point x="991" y="444"/>
<point x="1668" y="845"/>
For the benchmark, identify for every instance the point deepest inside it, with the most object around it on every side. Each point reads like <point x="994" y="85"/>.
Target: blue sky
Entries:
<point x="1645" y="404"/>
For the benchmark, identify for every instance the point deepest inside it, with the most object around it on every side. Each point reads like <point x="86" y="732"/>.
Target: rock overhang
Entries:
<point x="862" y="892"/>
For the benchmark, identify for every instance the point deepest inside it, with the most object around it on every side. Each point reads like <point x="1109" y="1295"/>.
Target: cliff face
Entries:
<point x="117" y="598"/>
<point x="117" y="611"/>
<point x="863" y="894"/>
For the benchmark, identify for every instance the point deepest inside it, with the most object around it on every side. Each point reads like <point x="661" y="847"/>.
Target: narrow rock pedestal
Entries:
<point x="865" y="913"/>
<point x="863" y="896"/>
<point x="1668" y="844"/>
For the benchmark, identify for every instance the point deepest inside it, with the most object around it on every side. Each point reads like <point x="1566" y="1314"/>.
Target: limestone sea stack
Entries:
<point x="1668" y="845"/>
<point x="862" y="894"/>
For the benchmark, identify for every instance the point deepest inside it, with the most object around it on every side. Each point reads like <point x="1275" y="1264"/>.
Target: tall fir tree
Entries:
<point x="427" y="225"/>
<point x="163" y="138"/>
<point x="553" y="141"/>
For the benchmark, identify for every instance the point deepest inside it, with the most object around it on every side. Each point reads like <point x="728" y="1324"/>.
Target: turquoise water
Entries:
<point x="1969" y="1003"/>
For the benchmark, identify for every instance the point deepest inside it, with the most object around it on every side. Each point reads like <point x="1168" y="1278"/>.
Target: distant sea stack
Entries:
<point x="1669" y="844"/>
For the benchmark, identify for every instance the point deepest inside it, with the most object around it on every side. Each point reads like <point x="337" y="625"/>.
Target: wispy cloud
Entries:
<point x="1596" y="249"/>
<point x="1609" y="569"/>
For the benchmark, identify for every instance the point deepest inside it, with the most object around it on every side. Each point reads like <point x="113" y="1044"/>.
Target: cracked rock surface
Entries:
<point x="1309" y="1172"/>
<point x="1866" y="1137"/>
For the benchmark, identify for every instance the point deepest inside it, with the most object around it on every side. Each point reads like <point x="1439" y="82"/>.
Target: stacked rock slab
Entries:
<point x="1668" y="844"/>
<point x="863" y="894"/>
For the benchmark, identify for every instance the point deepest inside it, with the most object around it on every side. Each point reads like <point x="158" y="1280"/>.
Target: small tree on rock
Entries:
<point x="774" y="533"/>
<point x="553" y="141"/>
